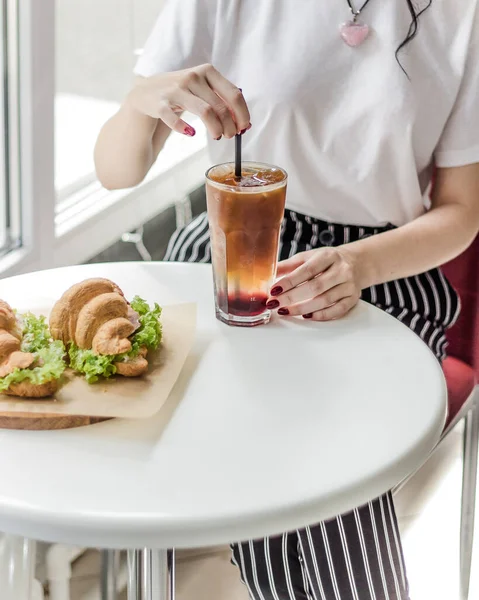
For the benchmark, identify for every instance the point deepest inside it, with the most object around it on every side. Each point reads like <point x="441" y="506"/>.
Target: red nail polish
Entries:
<point x="189" y="130"/>
<point x="283" y="312"/>
<point x="308" y="316"/>
<point x="249" y="127"/>
<point x="277" y="290"/>
<point x="218" y="138"/>
<point x="272" y="304"/>
<point x="243" y="131"/>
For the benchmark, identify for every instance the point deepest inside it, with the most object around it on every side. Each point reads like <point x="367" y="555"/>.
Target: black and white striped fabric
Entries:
<point x="191" y="243"/>
<point x="358" y="555"/>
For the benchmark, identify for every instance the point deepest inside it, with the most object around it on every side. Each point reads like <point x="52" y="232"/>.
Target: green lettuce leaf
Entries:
<point x="36" y="334"/>
<point x="92" y="365"/>
<point x="50" y="367"/>
<point x="149" y="334"/>
<point x="48" y="354"/>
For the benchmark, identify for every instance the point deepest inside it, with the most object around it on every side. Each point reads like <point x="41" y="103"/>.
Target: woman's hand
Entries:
<point x="202" y="91"/>
<point x="322" y="285"/>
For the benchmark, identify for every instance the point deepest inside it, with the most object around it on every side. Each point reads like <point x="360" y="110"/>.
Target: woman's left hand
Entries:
<point x="321" y="284"/>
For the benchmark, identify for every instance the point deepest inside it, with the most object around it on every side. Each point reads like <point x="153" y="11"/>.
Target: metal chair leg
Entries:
<point x="17" y="568"/>
<point x="151" y="575"/>
<point x="110" y="564"/>
<point x="469" y="476"/>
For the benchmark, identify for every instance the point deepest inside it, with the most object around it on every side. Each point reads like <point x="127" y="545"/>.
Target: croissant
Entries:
<point x="14" y="360"/>
<point x="94" y="315"/>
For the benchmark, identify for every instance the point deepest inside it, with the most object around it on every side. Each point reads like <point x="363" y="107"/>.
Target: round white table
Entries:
<point x="267" y="429"/>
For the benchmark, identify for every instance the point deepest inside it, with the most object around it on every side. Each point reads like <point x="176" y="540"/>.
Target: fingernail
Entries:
<point x="218" y="138"/>
<point x="189" y="130"/>
<point x="276" y="291"/>
<point x="283" y="312"/>
<point x="308" y="316"/>
<point x="243" y="131"/>
<point x="272" y="304"/>
<point x="249" y="127"/>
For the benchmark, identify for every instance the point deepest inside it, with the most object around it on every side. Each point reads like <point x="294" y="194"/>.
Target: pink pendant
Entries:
<point x="354" y="32"/>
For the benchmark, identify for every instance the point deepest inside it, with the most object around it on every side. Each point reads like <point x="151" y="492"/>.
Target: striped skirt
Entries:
<point x="358" y="555"/>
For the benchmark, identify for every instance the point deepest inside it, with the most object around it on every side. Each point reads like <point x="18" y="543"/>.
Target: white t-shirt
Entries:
<point x="357" y="137"/>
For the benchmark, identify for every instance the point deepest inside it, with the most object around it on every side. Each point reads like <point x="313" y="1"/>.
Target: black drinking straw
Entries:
<point x="238" y="153"/>
<point x="238" y="156"/>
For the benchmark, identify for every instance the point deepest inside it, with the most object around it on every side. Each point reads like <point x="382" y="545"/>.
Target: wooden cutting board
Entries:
<point x="40" y="421"/>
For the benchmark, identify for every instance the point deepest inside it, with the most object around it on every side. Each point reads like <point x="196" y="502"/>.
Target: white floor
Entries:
<point x="428" y="509"/>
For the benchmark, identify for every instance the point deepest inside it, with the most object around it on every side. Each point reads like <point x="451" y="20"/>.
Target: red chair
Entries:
<point x="461" y="369"/>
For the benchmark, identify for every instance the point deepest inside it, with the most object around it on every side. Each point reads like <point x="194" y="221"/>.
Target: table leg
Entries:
<point x="110" y="564"/>
<point x="151" y="575"/>
<point x="17" y="568"/>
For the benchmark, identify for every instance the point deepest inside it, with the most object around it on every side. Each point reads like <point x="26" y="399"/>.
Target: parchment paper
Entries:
<point x="131" y="398"/>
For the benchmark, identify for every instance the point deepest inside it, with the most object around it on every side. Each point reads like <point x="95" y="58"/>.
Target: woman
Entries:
<point x="358" y="101"/>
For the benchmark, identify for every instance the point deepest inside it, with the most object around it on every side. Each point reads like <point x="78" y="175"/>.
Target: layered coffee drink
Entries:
<point x="245" y="215"/>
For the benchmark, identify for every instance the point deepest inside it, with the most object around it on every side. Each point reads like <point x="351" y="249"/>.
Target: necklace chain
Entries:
<point x="356" y="13"/>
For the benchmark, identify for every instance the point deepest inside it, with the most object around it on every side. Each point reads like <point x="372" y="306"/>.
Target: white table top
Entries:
<point x="268" y="429"/>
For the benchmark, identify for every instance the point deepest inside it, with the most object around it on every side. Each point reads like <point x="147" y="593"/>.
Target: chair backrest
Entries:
<point x="463" y="273"/>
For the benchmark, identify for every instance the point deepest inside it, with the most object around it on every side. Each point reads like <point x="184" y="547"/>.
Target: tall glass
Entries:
<point x="245" y="218"/>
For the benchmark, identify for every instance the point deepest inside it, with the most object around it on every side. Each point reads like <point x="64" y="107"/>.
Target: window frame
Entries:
<point x="3" y="165"/>
<point x="9" y="128"/>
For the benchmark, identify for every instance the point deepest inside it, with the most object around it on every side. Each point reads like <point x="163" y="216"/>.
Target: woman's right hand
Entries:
<point x="202" y="91"/>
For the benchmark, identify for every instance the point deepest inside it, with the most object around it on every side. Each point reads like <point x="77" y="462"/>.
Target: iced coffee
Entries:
<point x="245" y="215"/>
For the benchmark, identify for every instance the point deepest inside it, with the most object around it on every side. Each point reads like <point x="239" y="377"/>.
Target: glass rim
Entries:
<point x="247" y="189"/>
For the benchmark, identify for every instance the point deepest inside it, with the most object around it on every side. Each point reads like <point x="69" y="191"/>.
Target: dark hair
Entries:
<point x="413" y="28"/>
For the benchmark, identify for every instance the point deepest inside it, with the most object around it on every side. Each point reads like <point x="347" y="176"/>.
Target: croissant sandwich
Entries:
<point x="31" y="363"/>
<point x="103" y="332"/>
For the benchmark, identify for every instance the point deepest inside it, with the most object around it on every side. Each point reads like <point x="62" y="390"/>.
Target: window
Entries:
<point x="97" y="44"/>
<point x="76" y="64"/>
<point x="4" y="234"/>
<point x="94" y="59"/>
<point x="9" y="158"/>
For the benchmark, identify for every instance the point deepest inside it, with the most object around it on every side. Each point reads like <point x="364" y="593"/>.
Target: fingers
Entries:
<point x="316" y="263"/>
<point x="173" y="120"/>
<point x="202" y="91"/>
<point x="211" y="109"/>
<point x="318" y="286"/>
<point x="337" y="311"/>
<point x="231" y="95"/>
<point x="322" y="302"/>
<point x="286" y="266"/>
<point x="205" y="111"/>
